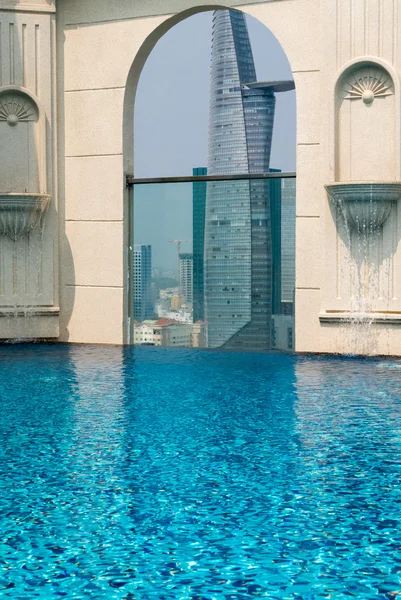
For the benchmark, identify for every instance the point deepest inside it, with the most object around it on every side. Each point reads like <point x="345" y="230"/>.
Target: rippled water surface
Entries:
<point x="174" y="474"/>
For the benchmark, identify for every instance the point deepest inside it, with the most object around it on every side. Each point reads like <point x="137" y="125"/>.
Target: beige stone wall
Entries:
<point x="101" y="48"/>
<point x="29" y="301"/>
<point x="360" y="142"/>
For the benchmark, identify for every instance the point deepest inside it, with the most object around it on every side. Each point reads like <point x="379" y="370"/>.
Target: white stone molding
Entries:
<point x="29" y="311"/>
<point x="349" y="318"/>
<point x="341" y="90"/>
<point x="27" y="6"/>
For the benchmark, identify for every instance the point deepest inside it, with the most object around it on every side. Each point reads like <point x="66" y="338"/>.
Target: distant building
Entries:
<point x="287" y="245"/>
<point x="275" y="218"/>
<point x="162" y="332"/>
<point x="178" y="334"/>
<point x="177" y="301"/>
<point x="170" y="305"/>
<point x="186" y="277"/>
<point x="198" y="235"/>
<point x="182" y="315"/>
<point x="143" y="304"/>
<point x="146" y="334"/>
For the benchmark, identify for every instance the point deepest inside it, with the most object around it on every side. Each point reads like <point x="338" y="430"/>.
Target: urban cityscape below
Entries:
<point x="233" y="283"/>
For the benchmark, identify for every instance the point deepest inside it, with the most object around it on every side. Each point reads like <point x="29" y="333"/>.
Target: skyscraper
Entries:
<point x="186" y="276"/>
<point x="275" y="216"/>
<point x="143" y="305"/>
<point x="198" y="236"/>
<point x="238" y="241"/>
<point x="287" y="245"/>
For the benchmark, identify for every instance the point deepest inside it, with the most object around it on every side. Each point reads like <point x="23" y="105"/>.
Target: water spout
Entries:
<point x="21" y="213"/>
<point x="362" y="210"/>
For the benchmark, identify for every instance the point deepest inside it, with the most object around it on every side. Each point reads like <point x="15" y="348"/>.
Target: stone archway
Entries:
<point x="136" y="70"/>
<point x="102" y="156"/>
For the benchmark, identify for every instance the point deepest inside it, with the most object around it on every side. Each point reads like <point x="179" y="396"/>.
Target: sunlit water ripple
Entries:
<point x="174" y="474"/>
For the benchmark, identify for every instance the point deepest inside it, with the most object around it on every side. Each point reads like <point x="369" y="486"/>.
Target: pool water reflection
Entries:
<point x="182" y="474"/>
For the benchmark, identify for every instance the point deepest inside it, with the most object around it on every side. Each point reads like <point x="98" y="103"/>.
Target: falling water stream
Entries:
<point x="369" y="274"/>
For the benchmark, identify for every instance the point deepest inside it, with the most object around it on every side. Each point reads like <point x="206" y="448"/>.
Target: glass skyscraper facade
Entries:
<point x="238" y="266"/>
<point x="275" y="216"/>
<point x="198" y="236"/>
<point x="143" y="305"/>
<point x="186" y="277"/>
<point x="288" y="245"/>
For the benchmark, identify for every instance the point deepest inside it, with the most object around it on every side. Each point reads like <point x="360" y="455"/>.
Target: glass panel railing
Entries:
<point x="213" y="264"/>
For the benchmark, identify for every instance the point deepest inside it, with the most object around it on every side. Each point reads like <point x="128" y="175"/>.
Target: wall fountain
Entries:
<point x="24" y="284"/>
<point x="364" y="203"/>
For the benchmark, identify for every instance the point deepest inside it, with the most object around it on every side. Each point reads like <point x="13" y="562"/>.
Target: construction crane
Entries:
<point x="179" y="242"/>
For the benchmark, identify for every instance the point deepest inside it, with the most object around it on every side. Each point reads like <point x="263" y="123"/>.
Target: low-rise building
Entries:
<point x="181" y="316"/>
<point x="147" y="333"/>
<point x="178" y="334"/>
<point x="177" y="301"/>
<point x="162" y="332"/>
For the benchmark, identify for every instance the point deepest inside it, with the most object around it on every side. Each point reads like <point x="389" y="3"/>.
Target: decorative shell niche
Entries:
<point x="22" y="163"/>
<point x="20" y="142"/>
<point x="365" y="114"/>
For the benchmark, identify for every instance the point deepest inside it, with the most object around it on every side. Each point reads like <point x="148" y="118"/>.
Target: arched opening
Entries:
<point x="230" y="283"/>
<point x="135" y="73"/>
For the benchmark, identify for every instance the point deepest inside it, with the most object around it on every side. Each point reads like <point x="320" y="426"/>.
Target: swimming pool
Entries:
<point x="175" y="474"/>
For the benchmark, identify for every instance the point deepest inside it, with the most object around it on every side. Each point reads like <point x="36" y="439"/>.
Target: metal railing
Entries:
<point x="131" y="180"/>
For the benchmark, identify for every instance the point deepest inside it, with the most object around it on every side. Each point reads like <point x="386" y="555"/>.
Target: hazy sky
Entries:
<point x="171" y="126"/>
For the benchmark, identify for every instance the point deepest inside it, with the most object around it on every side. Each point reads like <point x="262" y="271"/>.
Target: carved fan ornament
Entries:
<point x="15" y="108"/>
<point x="368" y="84"/>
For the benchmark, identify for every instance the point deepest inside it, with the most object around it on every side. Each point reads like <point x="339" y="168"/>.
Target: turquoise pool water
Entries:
<point x="174" y="474"/>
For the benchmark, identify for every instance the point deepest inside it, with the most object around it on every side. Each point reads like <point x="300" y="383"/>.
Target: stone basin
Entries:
<point x="21" y="212"/>
<point x="365" y="205"/>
